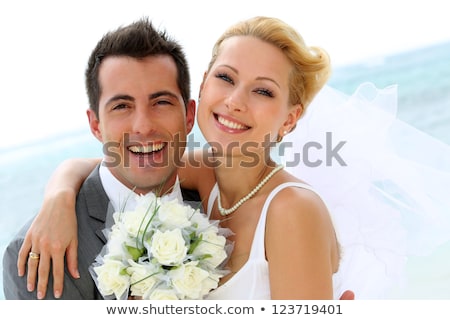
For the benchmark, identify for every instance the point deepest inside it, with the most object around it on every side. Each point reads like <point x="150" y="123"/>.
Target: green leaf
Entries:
<point x="195" y="243"/>
<point x="205" y="256"/>
<point x="135" y="252"/>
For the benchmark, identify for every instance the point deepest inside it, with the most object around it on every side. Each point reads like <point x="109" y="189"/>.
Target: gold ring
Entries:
<point x="34" y="255"/>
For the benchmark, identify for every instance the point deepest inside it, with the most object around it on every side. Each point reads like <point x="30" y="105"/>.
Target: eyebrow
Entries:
<point x="162" y="93"/>
<point x="119" y="97"/>
<point x="150" y="96"/>
<point x="257" y="78"/>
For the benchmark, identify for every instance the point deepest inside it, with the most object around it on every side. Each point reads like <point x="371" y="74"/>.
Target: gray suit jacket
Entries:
<point x="91" y="206"/>
<point x="93" y="209"/>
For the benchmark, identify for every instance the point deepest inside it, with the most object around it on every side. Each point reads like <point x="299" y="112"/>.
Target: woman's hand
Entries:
<point x="347" y="295"/>
<point x="53" y="235"/>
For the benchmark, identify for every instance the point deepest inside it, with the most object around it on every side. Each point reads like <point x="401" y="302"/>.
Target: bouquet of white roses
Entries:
<point x="163" y="249"/>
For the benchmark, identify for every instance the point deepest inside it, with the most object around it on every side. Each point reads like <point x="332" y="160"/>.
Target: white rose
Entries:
<point x="146" y="201"/>
<point x="143" y="277"/>
<point x="135" y="221"/>
<point x="212" y="244"/>
<point x="163" y="294"/>
<point x="173" y="214"/>
<point x="188" y="280"/>
<point x="112" y="279"/>
<point x="168" y="247"/>
<point x="210" y="283"/>
<point x="116" y="239"/>
<point x="201" y="221"/>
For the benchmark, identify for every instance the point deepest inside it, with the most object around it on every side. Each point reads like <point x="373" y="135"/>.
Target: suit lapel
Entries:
<point x="109" y="221"/>
<point x="97" y="202"/>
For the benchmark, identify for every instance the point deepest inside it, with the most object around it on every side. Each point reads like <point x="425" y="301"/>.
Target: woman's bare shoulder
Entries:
<point x="195" y="173"/>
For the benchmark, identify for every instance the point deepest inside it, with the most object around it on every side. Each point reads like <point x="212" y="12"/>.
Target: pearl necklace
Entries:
<point x="225" y="212"/>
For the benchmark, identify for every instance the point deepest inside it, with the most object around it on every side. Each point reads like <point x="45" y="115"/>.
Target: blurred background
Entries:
<point x="46" y="44"/>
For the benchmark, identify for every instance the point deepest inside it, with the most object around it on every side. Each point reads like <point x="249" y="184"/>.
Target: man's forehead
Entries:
<point x="151" y="74"/>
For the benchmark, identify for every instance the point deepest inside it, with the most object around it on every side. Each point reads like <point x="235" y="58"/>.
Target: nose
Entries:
<point x="236" y="101"/>
<point x="143" y="121"/>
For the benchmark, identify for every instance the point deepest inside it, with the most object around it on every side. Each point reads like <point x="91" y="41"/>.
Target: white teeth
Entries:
<point x="146" y="149"/>
<point x="230" y="124"/>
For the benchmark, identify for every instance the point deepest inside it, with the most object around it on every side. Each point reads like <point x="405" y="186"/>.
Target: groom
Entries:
<point x="140" y="109"/>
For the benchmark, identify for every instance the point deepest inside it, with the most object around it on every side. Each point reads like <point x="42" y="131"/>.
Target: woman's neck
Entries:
<point x="237" y="178"/>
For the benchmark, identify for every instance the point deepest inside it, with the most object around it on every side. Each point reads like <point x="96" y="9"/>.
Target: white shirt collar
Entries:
<point x="121" y="197"/>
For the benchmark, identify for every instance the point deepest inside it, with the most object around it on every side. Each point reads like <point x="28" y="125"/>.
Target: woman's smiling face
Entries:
<point x="244" y="98"/>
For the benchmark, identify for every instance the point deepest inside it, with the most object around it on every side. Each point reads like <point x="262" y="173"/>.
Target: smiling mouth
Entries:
<point x="146" y="150"/>
<point x="230" y="124"/>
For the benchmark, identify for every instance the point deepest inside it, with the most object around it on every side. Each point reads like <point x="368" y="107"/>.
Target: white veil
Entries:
<point x="386" y="185"/>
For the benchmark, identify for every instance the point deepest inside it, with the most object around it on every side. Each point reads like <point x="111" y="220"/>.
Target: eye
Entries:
<point x="164" y="102"/>
<point x="265" y="92"/>
<point x="224" y="77"/>
<point x="120" y="106"/>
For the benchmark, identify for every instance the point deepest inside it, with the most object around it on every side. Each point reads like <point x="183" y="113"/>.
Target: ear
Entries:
<point x="190" y="115"/>
<point x="294" y="113"/>
<point x="94" y="124"/>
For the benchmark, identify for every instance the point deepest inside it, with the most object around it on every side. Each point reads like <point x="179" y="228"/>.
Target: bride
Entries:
<point x="386" y="203"/>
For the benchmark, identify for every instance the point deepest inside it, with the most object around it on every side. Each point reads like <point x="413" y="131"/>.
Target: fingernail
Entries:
<point x="29" y="287"/>
<point x="57" y="294"/>
<point x="40" y="295"/>
<point x="77" y="274"/>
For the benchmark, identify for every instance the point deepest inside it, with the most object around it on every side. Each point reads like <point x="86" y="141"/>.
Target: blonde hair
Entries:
<point x="311" y="65"/>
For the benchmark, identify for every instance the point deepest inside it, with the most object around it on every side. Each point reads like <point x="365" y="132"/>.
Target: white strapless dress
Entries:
<point x="251" y="282"/>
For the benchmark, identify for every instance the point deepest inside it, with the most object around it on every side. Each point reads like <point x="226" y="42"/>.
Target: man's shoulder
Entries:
<point x="94" y="175"/>
<point x="92" y="184"/>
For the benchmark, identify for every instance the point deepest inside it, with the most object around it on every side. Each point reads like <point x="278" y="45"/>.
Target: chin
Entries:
<point x="154" y="179"/>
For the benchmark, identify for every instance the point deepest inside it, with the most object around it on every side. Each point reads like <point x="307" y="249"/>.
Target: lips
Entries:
<point x="231" y="124"/>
